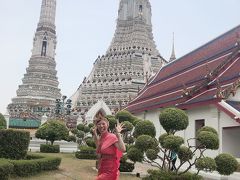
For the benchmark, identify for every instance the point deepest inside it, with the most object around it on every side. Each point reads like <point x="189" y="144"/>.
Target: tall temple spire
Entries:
<point x="173" y="56"/>
<point x="39" y="90"/>
<point x="134" y="28"/>
<point x="131" y="59"/>
<point x="48" y="13"/>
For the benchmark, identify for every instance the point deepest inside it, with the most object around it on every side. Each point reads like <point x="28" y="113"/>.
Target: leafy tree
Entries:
<point x="226" y="164"/>
<point x="52" y="130"/>
<point x="144" y="127"/>
<point x="158" y="153"/>
<point x="3" y="123"/>
<point x="124" y="116"/>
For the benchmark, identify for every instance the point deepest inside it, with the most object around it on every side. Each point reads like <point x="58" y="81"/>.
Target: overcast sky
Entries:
<point x="85" y="30"/>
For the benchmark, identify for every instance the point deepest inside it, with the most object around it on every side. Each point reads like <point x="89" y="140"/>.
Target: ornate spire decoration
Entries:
<point x="130" y="60"/>
<point x="39" y="88"/>
<point x="173" y="57"/>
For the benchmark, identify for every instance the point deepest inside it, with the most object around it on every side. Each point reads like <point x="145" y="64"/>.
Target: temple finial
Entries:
<point x="173" y="57"/>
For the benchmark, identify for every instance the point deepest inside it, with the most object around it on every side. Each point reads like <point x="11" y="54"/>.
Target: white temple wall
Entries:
<point x="212" y="117"/>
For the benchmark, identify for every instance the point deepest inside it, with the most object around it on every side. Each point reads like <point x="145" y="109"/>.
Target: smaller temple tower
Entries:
<point x="39" y="90"/>
<point x="173" y="56"/>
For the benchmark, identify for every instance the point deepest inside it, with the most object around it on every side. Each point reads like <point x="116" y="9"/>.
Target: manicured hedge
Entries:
<point x="48" y="148"/>
<point x="14" y="144"/>
<point x="34" y="164"/>
<point x="6" y="168"/>
<point x="86" y="152"/>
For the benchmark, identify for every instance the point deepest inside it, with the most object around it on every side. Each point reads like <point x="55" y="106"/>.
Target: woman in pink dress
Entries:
<point x="109" y="148"/>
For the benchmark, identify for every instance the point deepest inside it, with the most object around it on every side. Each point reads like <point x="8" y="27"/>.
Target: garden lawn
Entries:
<point x="71" y="168"/>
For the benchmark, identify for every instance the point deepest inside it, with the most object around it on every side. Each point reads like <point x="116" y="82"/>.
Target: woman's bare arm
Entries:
<point x="120" y="144"/>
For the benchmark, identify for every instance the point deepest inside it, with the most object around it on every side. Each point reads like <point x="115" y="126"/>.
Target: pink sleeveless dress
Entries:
<point x="109" y="161"/>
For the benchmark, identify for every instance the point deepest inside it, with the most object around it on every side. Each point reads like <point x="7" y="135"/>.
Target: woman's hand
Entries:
<point x="119" y="127"/>
<point x="94" y="130"/>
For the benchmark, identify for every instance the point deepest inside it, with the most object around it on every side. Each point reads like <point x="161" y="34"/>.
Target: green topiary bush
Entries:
<point x="208" y="129"/>
<point x="25" y="167"/>
<point x="52" y="130"/>
<point x="173" y="119"/>
<point x="152" y="154"/>
<point x="208" y="140"/>
<point x="226" y="164"/>
<point x="125" y="166"/>
<point x="90" y="142"/>
<point x="86" y="152"/>
<point x="14" y="144"/>
<point x="34" y="164"/>
<point x="206" y="164"/>
<point x="127" y="126"/>
<point x="144" y="127"/>
<point x="48" y="148"/>
<point x="135" y="154"/>
<point x="185" y="153"/>
<point x="172" y="142"/>
<point x="6" y="168"/>
<point x="124" y="115"/>
<point x="169" y="175"/>
<point x="145" y="142"/>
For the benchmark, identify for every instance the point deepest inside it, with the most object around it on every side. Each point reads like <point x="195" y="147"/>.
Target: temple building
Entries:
<point x="206" y="84"/>
<point x="39" y="90"/>
<point x="130" y="61"/>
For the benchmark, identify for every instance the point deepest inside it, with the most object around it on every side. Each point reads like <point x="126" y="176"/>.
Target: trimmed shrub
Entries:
<point x="127" y="126"/>
<point x="208" y="129"/>
<point x="25" y="167"/>
<point x="125" y="166"/>
<point x="173" y="119"/>
<point x="80" y="134"/>
<point x="168" y="175"/>
<point x="206" y="164"/>
<point x="152" y="154"/>
<point x="145" y="142"/>
<point x="86" y="152"/>
<point x="144" y="127"/>
<point x="34" y="164"/>
<point x="172" y="142"/>
<point x="90" y="142"/>
<point x="52" y="130"/>
<point x="90" y="125"/>
<point x="14" y="144"/>
<point x="3" y="123"/>
<point x="135" y="121"/>
<point x="135" y="154"/>
<point x="45" y="162"/>
<point x="185" y="153"/>
<point x="208" y="140"/>
<point x="124" y="116"/>
<point x="226" y="164"/>
<point x="6" y="168"/>
<point x="71" y="138"/>
<point x="80" y="127"/>
<point x="48" y="148"/>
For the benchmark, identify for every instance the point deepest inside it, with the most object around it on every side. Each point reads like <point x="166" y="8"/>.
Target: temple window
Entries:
<point x="44" y="47"/>
<point x="140" y="8"/>
<point x="198" y="124"/>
